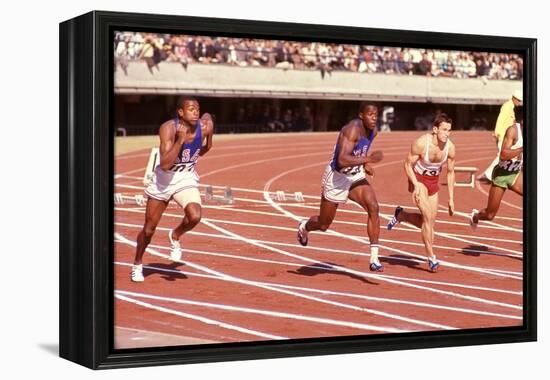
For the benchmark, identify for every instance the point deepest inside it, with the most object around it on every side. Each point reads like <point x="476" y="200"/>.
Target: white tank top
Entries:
<point x="514" y="164"/>
<point x="431" y="169"/>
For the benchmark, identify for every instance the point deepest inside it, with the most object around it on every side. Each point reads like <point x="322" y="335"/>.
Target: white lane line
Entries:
<point x="478" y="187"/>
<point x="364" y="241"/>
<point x="448" y="236"/>
<point x="497" y="225"/>
<point x="453" y="237"/>
<point x="316" y="266"/>
<point x="361" y="240"/>
<point x="368" y="275"/>
<point x="293" y="230"/>
<point x="471" y="250"/>
<point x="410" y="228"/>
<point x="364" y="224"/>
<point x="333" y="293"/>
<point x="256" y="225"/>
<point x="400" y="148"/>
<point x="275" y="314"/>
<point x="317" y="198"/>
<point x="301" y="205"/>
<point x="472" y="242"/>
<point x="120" y="295"/>
<point x="296" y="294"/>
<point x="233" y="208"/>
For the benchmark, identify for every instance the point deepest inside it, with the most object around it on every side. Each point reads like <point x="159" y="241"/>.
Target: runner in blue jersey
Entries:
<point x="182" y="140"/>
<point x="345" y="177"/>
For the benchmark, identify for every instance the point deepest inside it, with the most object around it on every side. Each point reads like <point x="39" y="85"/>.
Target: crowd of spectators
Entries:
<point x="325" y="57"/>
<point x="274" y="117"/>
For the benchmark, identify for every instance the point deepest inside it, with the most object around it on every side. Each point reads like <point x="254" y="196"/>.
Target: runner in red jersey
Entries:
<point x="423" y="165"/>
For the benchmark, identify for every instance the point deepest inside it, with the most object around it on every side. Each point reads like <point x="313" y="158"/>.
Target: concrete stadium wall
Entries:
<point x="231" y="81"/>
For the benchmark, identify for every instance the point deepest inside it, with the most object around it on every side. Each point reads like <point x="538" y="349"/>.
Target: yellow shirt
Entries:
<point x="505" y="119"/>
<point x="148" y="51"/>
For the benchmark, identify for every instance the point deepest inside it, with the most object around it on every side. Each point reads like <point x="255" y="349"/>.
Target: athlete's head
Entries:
<point x="368" y="113"/>
<point x="518" y="114"/>
<point x="188" y="109"/>
<point x="442" y="127"/>
<point x="517" y="98"/>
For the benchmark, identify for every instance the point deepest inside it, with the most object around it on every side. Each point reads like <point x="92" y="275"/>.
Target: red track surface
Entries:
<point x="243" y="277"/>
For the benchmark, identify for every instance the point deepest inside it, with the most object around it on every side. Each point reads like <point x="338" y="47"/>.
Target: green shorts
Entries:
<point x="504" y="178"/>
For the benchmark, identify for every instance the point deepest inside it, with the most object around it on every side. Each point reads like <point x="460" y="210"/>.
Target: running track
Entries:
<point x="243" y="277"/>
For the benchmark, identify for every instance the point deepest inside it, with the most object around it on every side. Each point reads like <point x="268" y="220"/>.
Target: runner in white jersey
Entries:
<point x="508" y="174"/>
<point x="181" y="144"/>
<point x="423" y="166"/>
<point x="345" y="177"/>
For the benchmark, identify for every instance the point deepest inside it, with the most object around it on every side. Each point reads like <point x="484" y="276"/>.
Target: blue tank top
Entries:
<point x="189" y="152"/>
<point x="359" y="150"/>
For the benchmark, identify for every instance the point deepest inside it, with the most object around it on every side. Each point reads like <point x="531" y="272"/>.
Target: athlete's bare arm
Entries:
<point x="510" y="138"/>
<point x="451" y="176"/>
<point x="169" y="149"/>
<point x="414" y="155"/>
<point x="375" y="157"/>
<point x="207" y="128"/>
<point x="348" y="139"/>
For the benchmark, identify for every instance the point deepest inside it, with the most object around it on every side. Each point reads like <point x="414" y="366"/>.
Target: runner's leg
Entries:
<point x="517" y="187"/>
<point x="493" y="203"/>
<point x="324" y="219"/>
<point x="364" y="195"/>
<point x="153" y="213"/>
<point x="425" y="207"/>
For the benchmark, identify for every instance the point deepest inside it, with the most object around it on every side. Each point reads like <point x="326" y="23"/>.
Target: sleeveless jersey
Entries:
<point x="426" y="168"/>
<point x="515" y="164"/>
<point x="189" y="152"/>
<point x="359" y="150"/>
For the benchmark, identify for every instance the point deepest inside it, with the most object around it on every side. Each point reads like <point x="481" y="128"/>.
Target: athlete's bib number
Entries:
<point x="430" y="173"/>
<point x="181" y="167"/>
<point x="351" y="170"/>
<point x="511" y="166"/>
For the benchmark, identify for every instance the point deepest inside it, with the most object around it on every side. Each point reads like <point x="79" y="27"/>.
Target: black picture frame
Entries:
<point x="86" y="183"/>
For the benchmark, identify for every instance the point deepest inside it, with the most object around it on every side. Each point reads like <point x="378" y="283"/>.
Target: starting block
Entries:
<point x="226" y="198"/>
<point x="471" y="171"/>
<point x="138" y="199"/>
<point x="281" y="196"/>
<point x="154" y="160"/>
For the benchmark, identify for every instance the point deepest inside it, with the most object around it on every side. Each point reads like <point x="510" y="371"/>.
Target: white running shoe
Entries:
<point x="302" y="233"/>
<point x="175" y="249"/>
<point x="472" y="223"/>
<point x="137" y="273"/>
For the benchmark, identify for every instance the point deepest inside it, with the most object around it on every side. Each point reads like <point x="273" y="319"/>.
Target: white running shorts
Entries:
<point x="183" y="187"/>
<point x="335" y="186"/>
